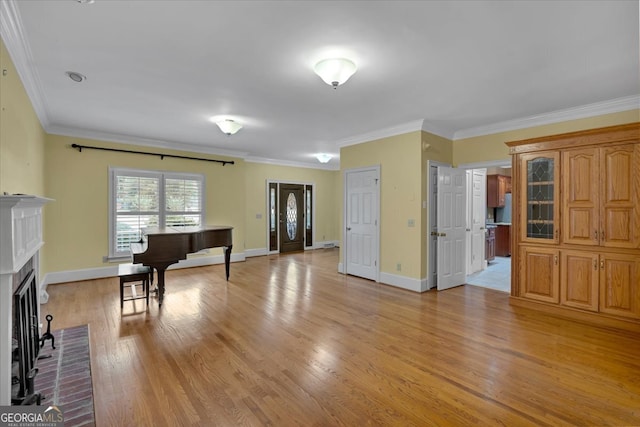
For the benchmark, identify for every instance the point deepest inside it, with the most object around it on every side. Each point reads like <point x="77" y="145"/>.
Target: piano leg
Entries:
<point x="160" y="285"/>
<point x="227" y="259"/>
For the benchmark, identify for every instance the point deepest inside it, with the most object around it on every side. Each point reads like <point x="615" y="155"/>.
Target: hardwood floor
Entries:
<point x="289" y="341"/>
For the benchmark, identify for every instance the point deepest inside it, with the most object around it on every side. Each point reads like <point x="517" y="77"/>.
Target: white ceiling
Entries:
<point x="158" y="70"/>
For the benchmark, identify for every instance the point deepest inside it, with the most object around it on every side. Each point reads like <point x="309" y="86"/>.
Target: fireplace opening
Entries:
<point x="25" y="342"/>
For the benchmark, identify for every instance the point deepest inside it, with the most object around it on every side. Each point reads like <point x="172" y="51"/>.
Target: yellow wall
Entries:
<point x="492" y="147"/>
<point x="400" y="159"/>
<point x="326" y="210"/>
<point x="22" y="138"/>
<point x="77" y="222"/>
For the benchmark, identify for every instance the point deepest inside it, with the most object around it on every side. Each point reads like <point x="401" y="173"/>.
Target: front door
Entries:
<point x="452" y="222"/>
<point x="291" y="217"/>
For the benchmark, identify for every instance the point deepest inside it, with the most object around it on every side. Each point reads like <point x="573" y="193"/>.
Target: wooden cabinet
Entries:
<point x="497" y="187"/>
<point x="619" y="283"/>
<point x="490" y="244"/>
<point x="599" y="197"/>
<point x="539" y="208"/>
<point x="503" y="240"/>
<point x="576" y="224"/>
<point x="539" y="271"/>
<point x="579" y="281"/>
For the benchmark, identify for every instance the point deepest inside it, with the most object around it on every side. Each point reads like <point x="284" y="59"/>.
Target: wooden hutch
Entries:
<point x="576" y="225"/>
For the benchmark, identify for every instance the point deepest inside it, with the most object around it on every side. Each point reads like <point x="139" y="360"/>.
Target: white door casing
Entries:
<point x="469" y="219"/>
<point x="361" y="236"/>
<point x="433" y="227"/>
<point x="452" y="212"/>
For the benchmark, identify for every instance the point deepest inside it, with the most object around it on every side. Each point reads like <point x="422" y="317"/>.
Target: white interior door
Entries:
<point x="361" y="223"/>
<point x="478" y="210"/>
<point x="451" y="233"/>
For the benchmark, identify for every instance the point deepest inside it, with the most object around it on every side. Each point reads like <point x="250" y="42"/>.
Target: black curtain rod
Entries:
<point x="162" y="156"/>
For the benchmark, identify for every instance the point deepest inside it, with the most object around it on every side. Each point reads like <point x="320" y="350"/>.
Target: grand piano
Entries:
<point x="162" y="246"/>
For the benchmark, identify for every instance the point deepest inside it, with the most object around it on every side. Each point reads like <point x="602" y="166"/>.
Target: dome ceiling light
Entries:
<point x="229" y="126"/>
<point x="335" y="71"/>
<point x="323" y="157"/>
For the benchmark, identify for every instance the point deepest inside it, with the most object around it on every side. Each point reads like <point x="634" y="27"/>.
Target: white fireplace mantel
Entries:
<point x="20" y="240"/>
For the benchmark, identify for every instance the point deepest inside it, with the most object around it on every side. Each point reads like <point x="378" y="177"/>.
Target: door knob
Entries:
<point x="348" y="228"/>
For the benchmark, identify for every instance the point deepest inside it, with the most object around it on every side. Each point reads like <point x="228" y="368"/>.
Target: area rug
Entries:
<point x="64" y="379"/>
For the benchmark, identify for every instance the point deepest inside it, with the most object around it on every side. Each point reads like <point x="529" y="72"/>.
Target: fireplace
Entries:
<point x="25" y="342"/>
<point x="20" y="243"/>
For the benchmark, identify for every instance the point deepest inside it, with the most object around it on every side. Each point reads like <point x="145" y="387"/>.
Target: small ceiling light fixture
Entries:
<point x="85" y="1"/>
<point x="229" y="126"/>
<point x="76" y="77"/>
<point x="335" y="71"/>
<point x="323" y="157"/>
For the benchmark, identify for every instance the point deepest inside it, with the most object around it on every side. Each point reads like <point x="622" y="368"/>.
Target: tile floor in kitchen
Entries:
<point x="496" y="276"/>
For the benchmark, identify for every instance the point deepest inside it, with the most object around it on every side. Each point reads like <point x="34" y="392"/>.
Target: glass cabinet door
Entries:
<point x="539" y="174"/>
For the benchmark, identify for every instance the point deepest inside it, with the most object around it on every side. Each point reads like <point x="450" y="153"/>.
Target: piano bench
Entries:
<point x="130" y="274"/>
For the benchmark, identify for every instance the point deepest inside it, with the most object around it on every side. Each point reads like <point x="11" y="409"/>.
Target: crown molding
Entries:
<point x="438" y="130"/>
<point x="146" y="142"/>
<point x="12" y="34"/>
<point x="590" y="110"/>
<point x="382" y="133"/>
<point x="275" y="162"/>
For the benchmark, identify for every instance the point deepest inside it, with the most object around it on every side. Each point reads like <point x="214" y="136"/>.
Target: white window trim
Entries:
<point x="162" y="175"/>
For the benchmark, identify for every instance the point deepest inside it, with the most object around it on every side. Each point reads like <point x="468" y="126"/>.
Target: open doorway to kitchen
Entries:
<point x="496" y="266"/>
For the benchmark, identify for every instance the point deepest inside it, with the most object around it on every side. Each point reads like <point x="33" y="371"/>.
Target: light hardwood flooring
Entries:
<point x="289" y="341"/>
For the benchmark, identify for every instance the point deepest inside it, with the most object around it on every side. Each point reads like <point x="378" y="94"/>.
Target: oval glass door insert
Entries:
<point x="292" y="216"/>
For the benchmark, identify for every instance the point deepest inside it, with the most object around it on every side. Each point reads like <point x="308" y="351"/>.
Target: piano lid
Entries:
<point x="183" y="229"/>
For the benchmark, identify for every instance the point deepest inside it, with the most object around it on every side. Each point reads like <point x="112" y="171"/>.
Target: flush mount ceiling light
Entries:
<point x="335" y="71"/>
<point x="76" y="77"/>
<point x="229" y="126"/>
<point x="323" y="157"/>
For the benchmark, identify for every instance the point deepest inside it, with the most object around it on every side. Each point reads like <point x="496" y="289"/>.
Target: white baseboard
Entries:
<point x="416" y="285"/>
<point x="327" y="244"/>
<point x="255" y="252"/>
<point x="112" y="271"/>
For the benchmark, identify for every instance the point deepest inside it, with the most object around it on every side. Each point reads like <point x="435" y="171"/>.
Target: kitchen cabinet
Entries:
<point x="497" y="187"/>
<point x="490" y="244"/>
<point x="503" y="240"/>
<point x="576" y="224"/>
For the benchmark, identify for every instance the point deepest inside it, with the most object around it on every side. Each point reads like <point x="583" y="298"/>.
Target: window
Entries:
<point x="140" y="199"/>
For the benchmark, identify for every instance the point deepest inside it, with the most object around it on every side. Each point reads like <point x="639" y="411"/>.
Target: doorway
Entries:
<point x="290" y="225"/>
<point x="291" y="217"/>
<point x="476" y="213"/>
